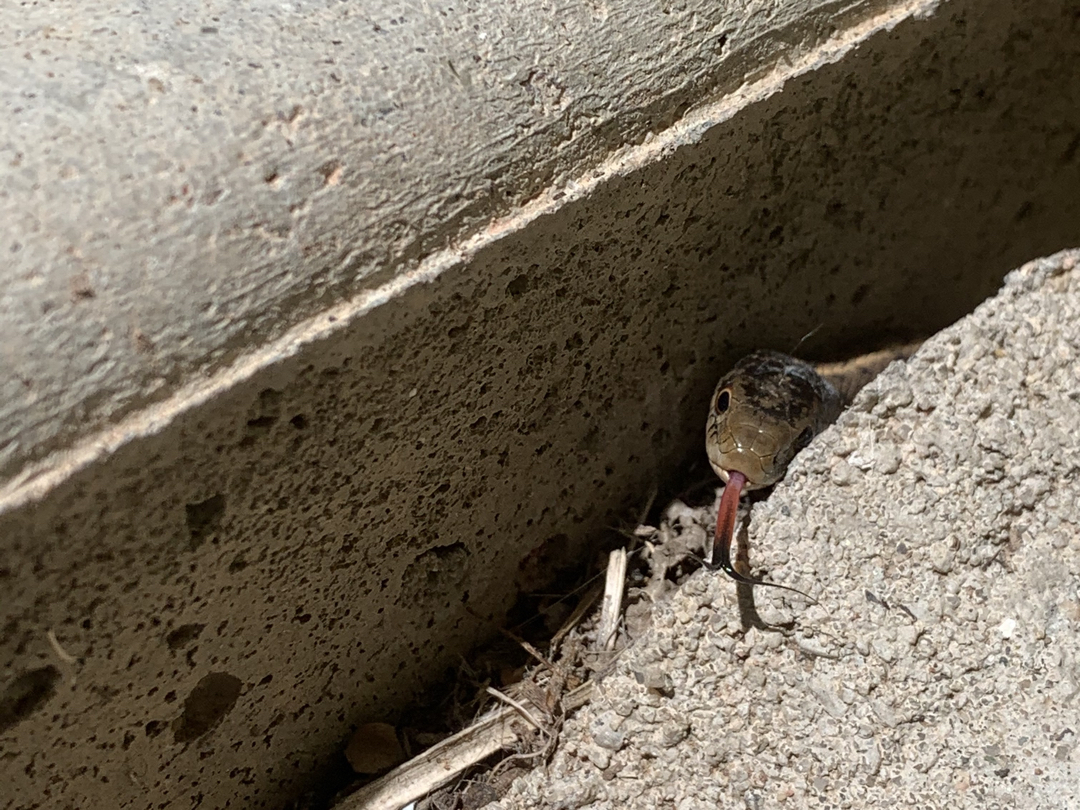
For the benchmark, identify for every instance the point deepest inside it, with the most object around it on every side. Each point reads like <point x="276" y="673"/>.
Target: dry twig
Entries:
<point x="444" y="762"/>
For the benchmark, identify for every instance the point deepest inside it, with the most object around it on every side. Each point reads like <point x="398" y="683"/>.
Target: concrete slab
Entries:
<point x="184" y="185"/>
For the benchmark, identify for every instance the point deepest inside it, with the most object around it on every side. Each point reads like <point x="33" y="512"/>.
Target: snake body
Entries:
<point x="766" y="409"/>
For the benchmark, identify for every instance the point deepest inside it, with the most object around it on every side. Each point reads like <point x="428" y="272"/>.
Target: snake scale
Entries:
<point x="764" y="411"/>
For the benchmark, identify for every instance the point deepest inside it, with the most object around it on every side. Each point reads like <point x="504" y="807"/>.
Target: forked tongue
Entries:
<point x="725" y="532"/>
<point x="725" y="525"/>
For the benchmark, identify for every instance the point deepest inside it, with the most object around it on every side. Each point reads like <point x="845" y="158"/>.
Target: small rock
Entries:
<point x="942" y="557"/>
<point x="843" y="474"/>
<point x="374" y="748"/>
<point x="887" y="460"/>
<point x="597" y="756"/>
<point x="604" y="735"/>
<point x="674" y="732"/>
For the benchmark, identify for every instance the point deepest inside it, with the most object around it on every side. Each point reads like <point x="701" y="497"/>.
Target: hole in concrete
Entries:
<point x="155" y="727"/>
<point x="212" y="698"/>
<point x="269" y="401"/>
<point x="183" y="635"/>
<point x="263" y="416"/>
<point x="25" y="694"/>
<point x="203" y="518"/>
<point x="518" y="287"/>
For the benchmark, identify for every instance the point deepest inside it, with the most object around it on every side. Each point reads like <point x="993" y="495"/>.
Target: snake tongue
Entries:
<point x="725" y="523"/>
<point x="725" y="531"/>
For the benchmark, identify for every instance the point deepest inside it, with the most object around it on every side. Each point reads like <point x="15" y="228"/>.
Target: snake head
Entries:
<point x="759" y="449"/>
<point x="766" y="409"/>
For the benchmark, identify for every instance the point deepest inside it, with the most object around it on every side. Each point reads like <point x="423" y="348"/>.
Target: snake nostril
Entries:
<point x="723" y="400"/>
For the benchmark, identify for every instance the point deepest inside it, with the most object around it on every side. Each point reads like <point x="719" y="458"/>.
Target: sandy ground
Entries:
<point x="936" y="523"/>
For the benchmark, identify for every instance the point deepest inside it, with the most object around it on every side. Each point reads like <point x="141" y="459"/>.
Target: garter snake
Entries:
<point x="764" y="411"/>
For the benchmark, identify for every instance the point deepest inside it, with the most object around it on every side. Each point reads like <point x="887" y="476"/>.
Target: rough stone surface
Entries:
<point x="939" y="667"/>
<point x="243" y="581"/>
<point x="181" y="184"/>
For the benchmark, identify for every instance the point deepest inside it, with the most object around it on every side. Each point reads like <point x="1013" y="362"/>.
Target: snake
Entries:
<point x="765" y="410"/>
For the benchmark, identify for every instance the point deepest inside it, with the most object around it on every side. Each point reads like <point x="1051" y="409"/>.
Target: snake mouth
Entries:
<point x="753" y="449"/>
<point x="750" y="480"/>
<point x="754" y="470"/>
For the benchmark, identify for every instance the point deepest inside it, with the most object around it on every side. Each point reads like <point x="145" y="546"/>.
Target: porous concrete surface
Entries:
<point x="307" y="545"/>
<point x="938" y="526"/>
<point x="182" y="184"/>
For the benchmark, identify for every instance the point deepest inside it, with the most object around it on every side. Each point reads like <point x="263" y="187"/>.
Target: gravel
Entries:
<point x="936" y="525"/>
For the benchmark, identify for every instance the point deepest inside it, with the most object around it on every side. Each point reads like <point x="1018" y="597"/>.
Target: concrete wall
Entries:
<point x="343" y="467"/>
<point x="180" y="187"/>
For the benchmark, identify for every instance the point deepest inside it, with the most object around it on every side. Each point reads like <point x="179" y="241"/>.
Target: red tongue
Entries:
<point x="725" y="531"/>
<point x="725" y="523"/>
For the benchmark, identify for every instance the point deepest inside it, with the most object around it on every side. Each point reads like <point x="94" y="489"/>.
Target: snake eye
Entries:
<point x="804" y="439"/>
<point x="723" y="400"/>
